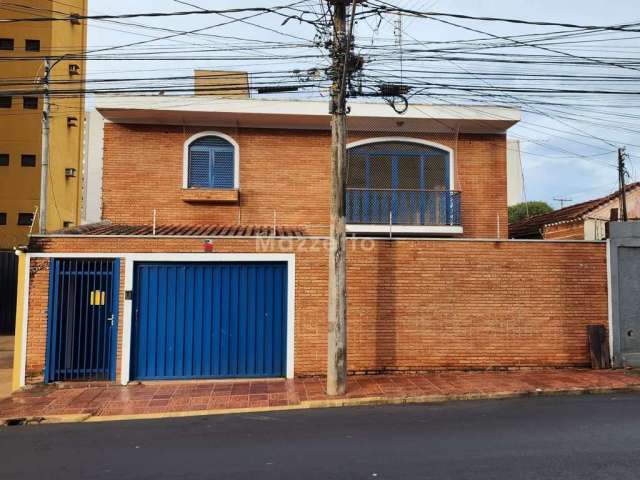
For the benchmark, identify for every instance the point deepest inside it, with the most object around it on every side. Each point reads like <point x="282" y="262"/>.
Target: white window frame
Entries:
<point x="367" y="141"/>
<point x="408" y="229"/>
<point x="193" y="138"/>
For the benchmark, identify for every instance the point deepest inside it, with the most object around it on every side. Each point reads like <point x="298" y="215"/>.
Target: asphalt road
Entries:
<point x="553" y="437"/>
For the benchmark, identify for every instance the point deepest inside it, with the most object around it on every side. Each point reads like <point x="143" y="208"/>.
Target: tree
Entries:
<point x="524" y="210"/>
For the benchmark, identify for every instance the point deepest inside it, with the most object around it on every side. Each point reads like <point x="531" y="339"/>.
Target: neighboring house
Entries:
<point x="515" y="183"/>
<point x="21" y="118"/>
<point x="582" y="221"/>
<point x="211" y="258"/>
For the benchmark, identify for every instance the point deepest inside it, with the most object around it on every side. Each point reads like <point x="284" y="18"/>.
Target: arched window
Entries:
<point x="211" y="163"/>
<point x="402" y="181"/>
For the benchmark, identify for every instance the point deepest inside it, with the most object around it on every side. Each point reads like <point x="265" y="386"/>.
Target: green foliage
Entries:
<point x="519" y="211"/>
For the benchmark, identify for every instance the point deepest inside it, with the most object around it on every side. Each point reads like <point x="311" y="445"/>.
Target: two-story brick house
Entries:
<point x="210" y="260"/>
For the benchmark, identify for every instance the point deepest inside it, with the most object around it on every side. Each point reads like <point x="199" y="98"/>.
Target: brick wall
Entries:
<point x="413" y="304"/>
<point x="565" y="231"/>
<point x="37" y="326"/>
<point x="282" y="170"/>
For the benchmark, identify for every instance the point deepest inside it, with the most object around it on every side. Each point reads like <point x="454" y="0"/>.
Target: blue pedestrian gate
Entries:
<point x="209" y="320"/>
<point x="82" y="319"/>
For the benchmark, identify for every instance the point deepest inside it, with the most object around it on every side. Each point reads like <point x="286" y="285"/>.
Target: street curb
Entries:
<point x="330" y="403"/>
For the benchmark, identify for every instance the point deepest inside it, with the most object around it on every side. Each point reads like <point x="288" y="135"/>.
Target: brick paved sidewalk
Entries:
<point x="101" y="400"/>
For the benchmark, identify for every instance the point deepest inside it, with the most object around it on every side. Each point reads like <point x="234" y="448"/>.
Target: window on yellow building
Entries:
<point x="3" y="218"/>
<point x="25" y="219"/>
<point x="5" y="102"/>
<point x="4" y="159"/>
<point x="28" y="160"/>
<point x="6" y="43"/>
<point x="32" y="45"/>
<point x="30" y="103"/>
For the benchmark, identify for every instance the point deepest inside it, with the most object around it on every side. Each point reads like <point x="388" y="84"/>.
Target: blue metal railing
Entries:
<point x="402" y="207"/>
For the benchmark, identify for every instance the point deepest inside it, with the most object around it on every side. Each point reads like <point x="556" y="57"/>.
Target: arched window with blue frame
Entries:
<point x="400" y="182"/>
<point x="211" y="163"/>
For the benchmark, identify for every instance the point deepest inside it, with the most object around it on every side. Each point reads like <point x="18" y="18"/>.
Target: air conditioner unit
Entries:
<point x="74" y="69"/>
<point x="74" y="18"/>
<point x="69" y="172"/>
<point x="72" y="122"/>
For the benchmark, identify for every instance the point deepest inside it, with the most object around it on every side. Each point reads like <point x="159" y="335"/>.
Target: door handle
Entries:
<point x="110" y="319"/>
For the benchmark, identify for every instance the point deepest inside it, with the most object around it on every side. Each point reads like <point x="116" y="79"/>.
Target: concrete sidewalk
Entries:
<point x="6" y="364"/>
<point x="94" y="402"/>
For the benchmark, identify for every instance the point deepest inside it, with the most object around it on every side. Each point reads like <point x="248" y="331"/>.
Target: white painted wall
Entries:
<point x="515" y="190"/>
<point x="92" y="181"/>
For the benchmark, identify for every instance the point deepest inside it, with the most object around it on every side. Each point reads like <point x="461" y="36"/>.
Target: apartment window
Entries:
<point x="25" y="219"/>
<point x="32" y="45"/>
<point x="6" y="43"/>
<point x="28" y="160"/>
<point x="30" y="103"/>
<point x="3" y="218"/>
<point x="5" y="102"/>
<point x="4" y="159"/>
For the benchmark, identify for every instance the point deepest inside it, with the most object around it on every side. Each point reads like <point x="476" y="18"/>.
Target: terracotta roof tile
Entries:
<point x="177" y="230"/>
<point x="531" y="227"/>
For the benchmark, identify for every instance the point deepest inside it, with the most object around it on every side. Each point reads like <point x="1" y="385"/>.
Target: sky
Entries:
<point x="569" y="151"/>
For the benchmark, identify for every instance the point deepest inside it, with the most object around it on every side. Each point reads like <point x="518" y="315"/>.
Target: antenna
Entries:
<point x="563" y="201"/>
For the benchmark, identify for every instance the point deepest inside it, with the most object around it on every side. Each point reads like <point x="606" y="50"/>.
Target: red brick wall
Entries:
<point x="37" y="323"/>
<point x="413" y="304"/>
<point x="282" y="170"/>
<point x="565" y="231"/>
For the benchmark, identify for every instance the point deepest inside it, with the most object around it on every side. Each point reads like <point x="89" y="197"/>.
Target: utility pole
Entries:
<point x="337" y="308"/>
<point x="622" y="154"/>
<point x="44" y="161"/>
<point x="563" y="201"/>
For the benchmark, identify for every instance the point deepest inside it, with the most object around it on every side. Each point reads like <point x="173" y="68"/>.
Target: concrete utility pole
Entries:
<point x="622" y="154"/>
<point x="337" y="319"/>
<point x="44" y="161"/>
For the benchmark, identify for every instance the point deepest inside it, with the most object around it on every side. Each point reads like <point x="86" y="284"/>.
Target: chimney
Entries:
<point x="218" y="83"/>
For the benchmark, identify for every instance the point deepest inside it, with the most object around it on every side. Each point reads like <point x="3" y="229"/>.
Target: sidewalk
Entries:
<point x="6" y="365"/>
<point x="82" y="402"/>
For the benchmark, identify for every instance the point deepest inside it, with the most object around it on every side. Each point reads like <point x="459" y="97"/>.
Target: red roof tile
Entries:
<point x="176" y="230"/>
<point x="532" y="227"/>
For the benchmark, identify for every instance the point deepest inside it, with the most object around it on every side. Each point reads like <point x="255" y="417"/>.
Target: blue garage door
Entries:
<point x="209" y="320"/>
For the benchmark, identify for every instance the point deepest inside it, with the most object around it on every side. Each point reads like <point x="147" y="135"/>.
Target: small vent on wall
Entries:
<point x="74" y="69"/>
<point x="72" y="122"/>
<point x="74" y="18"/>
<point x="69" y="172"/>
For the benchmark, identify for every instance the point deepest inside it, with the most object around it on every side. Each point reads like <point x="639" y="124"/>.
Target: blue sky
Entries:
<point x="568" y="151"/>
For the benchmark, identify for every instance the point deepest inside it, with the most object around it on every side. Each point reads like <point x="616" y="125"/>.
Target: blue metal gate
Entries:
<point x="82" y="319"/>
<point x="209" y="320"/>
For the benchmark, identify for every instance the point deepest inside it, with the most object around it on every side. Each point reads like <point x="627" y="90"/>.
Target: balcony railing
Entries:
<point x="375" y="206"/>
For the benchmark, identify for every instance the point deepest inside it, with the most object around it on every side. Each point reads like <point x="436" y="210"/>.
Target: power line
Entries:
<point x="386" y="7"/>
<point x="77" y="17"/>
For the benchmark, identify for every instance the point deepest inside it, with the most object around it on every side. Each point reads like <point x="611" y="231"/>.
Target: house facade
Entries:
<point x="211" y="258"/>
<point x="582" y="221"/>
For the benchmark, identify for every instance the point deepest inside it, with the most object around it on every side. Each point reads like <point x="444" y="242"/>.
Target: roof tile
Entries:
<point x="531" y="227"/>
<point x="177" y="230"/>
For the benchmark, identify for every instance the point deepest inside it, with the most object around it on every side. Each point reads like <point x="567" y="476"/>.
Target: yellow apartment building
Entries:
<point x="23" y="49"/>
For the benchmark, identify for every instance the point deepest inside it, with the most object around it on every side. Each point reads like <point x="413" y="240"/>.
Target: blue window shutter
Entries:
<point x="199" y="167"/>
<point x="211" y="163"/>
<point x="223" y="168"/>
